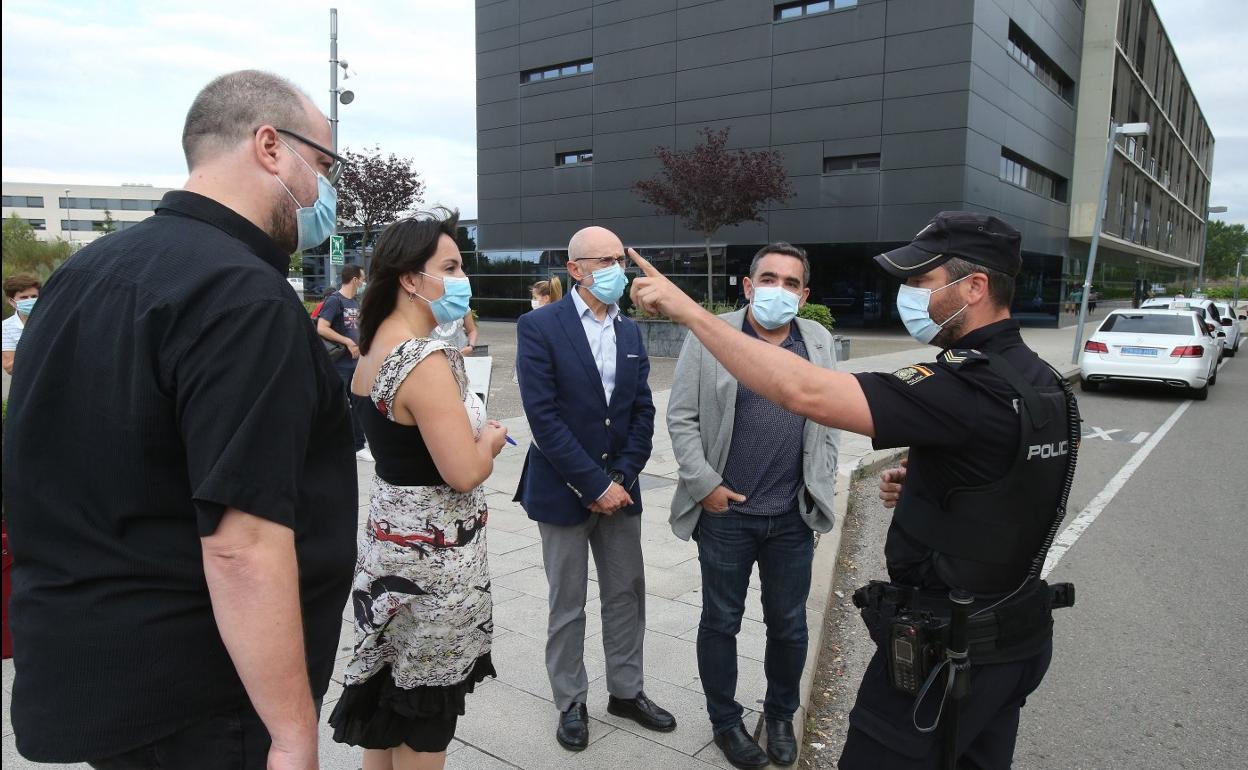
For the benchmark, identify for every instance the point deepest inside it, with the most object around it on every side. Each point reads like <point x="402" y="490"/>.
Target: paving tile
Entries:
<point x="671" y="617"/>
<point x="693" y="728"/>
<point x="530" y="555"/>
<point x="531" y="581"/>
<point x="667" y="658"/>
<point x="7" y="728"/>
<point x="674" y="582"/>
<point x="469" y="758"/>
<point x="668" y="554"/>
<point x="514" y="726"/>
<point x="501" y="593"/>
<point x="8" y="675"/>
<point x="622" y="750"/>
<point x="505" y="564"/>
<point x="751" y="683"/>
<point x="521" y="662"/>
<point x="501" y="542"/>
<point x="334" y="755"/>
<point x="525" y="615"/>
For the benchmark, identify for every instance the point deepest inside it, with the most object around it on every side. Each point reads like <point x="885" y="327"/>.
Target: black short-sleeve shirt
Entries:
<point x="971" y="416"/>
<point x="172" y="373"/>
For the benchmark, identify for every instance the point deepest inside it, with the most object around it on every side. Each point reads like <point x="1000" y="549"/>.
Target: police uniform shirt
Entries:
<point x="962" y="409"/>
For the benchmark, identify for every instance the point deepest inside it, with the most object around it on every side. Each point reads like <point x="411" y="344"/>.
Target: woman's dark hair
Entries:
<point x="402" y="248"/>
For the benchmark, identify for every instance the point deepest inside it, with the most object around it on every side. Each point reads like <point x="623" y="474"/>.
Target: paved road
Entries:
<point x="1148" y="668"/>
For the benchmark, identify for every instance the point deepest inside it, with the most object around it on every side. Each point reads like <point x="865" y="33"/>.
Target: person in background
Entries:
<point x="584" y="382"/>
<point x="179" y="604"/>
<point x="460" y="333"/>
<point x="421" y="598"/>
<point x="316" y="312"/>
<point x="541" y="294"/>
<point x="339" y="321"/>
<point x="545" y="292"/>
<point x="20" y="291"/>
<point x="756" y="481"/>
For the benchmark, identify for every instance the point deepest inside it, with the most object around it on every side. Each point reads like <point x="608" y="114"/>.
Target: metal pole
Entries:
<point x="1204" y="245"/>
<point x="1239" y="263"/>
<point x="333" y="118"/>
<point x="69" y="222"/>
<point x="1096" y="240"/>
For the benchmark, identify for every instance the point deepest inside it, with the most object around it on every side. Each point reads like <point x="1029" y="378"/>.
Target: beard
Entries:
<point x="952" y="330"/>
<point x="283" y="227"/>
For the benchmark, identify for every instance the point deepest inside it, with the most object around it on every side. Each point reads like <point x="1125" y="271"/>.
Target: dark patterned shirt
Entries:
<point x="765" y="460"/>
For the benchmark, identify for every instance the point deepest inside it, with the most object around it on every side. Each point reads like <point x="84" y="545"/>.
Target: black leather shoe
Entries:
<point x="781" y="744"/>
<point x="643" y="711"/>
<point x="740" y="749"/>
<point x="573" y="732"/>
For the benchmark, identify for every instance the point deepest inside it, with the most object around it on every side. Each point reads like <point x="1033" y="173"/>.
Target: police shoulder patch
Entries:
<point x="912" y="375"/>
<point x="959" y="356"/>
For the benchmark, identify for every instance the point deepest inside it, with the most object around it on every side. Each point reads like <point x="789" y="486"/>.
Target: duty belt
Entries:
<point x="996" y="628"/>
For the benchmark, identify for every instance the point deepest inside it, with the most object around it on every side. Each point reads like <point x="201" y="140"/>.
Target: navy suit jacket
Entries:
<point x="578" y="438"/>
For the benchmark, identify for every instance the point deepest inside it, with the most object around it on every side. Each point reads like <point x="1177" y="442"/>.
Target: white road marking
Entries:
<point x="1088" y="515"/>
<point x="1102" y="432"/>
<point x="1139" y="437"/>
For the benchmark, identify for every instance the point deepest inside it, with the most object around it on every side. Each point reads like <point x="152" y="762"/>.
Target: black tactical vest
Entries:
<point x="1005" y="525"/>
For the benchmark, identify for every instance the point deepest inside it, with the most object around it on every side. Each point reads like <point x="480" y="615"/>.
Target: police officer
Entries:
<point x="989" y="426"/>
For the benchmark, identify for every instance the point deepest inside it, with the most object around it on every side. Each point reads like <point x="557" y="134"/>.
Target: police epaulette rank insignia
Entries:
<point x="912" y="375"/>
<point x="958" y="356"/>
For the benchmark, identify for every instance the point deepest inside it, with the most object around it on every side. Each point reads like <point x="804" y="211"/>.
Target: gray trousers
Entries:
<point x="616" y="541"/>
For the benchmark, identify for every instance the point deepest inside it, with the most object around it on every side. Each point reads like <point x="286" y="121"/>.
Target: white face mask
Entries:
<point x="913" y="306"/>
<point x="535" y="303"/>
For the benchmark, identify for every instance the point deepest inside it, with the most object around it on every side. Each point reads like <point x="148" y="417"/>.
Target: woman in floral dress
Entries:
<point x="421" y="594"/>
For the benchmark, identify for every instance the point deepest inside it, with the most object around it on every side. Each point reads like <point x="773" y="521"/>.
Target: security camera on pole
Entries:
<point x="346" y="96"/>
<point x="1115" y="130"/>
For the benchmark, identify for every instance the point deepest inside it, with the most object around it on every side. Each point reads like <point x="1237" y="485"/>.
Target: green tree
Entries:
<point x="296" y="263"/>
<point x="1226" y="244"/>
<point x="109" y="225"/>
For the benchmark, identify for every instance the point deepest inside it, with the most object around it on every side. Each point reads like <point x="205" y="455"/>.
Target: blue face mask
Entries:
<point x="912" y="306"/>
<point x="316" y="222"/>
<point x="609" y="283"/>
<point x="453" y="304"/>
<point x="24" y="306"/>
<point x="773" y="307"/>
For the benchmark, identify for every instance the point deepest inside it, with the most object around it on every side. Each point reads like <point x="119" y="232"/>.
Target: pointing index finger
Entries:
<point x="640" y="261"/>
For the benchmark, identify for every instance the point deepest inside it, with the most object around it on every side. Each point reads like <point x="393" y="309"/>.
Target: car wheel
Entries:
<point x="1089" y="385"/>
<point x="1213" y="380"/>
<point x="1199" y="394"/>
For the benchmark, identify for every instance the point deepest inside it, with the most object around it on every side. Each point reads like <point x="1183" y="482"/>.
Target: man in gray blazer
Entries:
<point x="755" y="480"/>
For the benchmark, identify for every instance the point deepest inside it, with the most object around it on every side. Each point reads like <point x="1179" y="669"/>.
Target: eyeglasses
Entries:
<point x="335" y="168"/>
<point x="602" y="262"/>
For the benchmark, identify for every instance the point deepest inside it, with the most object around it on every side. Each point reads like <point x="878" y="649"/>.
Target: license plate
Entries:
<point x="1150" y="352"/>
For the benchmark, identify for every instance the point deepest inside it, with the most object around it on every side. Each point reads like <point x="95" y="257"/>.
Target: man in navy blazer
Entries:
<point x="583" y="374"/>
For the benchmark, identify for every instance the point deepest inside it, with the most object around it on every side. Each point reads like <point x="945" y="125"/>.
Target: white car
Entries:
<point x="1162" y="347"/>
<point x="1230" y="325"/>
<point x="1205" y="307"/>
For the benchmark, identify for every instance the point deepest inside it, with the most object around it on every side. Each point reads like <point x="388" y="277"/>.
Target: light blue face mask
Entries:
<point x="453" y="304"/>
<point x="316" y="222"/>
<point x="24" y="306"/>
<point x="609" y="283"/>
<point x="912" y="306"/>
<point x="773" y="306"/>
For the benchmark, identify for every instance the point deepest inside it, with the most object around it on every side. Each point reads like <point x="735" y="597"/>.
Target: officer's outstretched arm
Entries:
<point x="830" y="398"/>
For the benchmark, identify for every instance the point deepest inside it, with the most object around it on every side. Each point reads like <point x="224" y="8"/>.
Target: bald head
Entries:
<point x="228" y="111"/>
<point x="594" y="242"/>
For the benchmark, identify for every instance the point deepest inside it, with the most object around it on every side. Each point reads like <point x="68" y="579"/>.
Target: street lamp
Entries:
<point x="1115" y="130"/>
<point x="69" y="222"/>
<point x="336" y="95"/>
<point x="1239" y="263"/>
<point x="1204" y="245"/>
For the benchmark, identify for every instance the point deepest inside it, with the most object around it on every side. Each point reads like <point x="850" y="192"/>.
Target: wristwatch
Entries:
<point x="617" y="477"/>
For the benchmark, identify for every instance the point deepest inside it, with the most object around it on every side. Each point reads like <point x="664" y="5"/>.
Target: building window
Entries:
<point x="109" y="204"/>
<point x="807" y="8"/>
<point x="24" y="201"/>
<point x="574" y="158"/>
<point x="1035" y="61"/>
<point x="581" y="67"/>
<point x="1021" y="172"/>
<point x="843" y="163"/>
<point x="37" y="224"/>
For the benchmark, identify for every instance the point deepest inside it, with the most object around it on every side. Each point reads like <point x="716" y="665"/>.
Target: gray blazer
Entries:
<point x="700" y="417"/>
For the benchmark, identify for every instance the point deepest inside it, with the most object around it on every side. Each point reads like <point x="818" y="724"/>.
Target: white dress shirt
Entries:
<point x="601" y="337"/>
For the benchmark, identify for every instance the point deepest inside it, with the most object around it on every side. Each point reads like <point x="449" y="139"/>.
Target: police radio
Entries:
<point x="914" y="647"/>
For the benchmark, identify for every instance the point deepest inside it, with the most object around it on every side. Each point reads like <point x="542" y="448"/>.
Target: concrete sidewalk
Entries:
<point x="511" y="720"/>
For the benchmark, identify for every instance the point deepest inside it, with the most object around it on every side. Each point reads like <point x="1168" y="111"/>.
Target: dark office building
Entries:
<point x="885" y="112"/>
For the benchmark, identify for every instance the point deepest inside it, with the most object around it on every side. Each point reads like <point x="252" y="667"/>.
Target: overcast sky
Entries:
<point x="96" y="92"/>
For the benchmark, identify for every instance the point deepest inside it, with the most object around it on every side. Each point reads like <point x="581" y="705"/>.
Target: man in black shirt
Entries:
<point x="988" y="428"/>
<point x="179" y="488"/>
<point x="339" y="322"/>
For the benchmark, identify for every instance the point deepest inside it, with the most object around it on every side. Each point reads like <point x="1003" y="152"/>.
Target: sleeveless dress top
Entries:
<point x="421" y="593"/>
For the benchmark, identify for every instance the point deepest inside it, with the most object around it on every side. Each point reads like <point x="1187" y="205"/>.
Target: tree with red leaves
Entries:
<point x="709" y="186"/>
<point x="375" y="190"/>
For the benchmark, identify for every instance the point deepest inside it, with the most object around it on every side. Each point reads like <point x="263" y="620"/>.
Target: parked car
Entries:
<point x="1210" y="315"/>
<point x="1161" y="347"/>
<point x="1230" y="325"/>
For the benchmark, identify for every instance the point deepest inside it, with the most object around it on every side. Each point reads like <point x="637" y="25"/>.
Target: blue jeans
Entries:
<point x="728" y="546"/>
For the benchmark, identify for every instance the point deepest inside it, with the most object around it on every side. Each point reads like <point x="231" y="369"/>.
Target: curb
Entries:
<point x="823" y="577"/>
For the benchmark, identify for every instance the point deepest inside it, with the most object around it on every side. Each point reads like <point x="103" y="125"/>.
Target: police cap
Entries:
<point x="977" y="238"/>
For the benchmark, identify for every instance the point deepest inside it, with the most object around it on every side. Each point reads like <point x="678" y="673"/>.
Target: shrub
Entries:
<point x="820" y="314"/>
